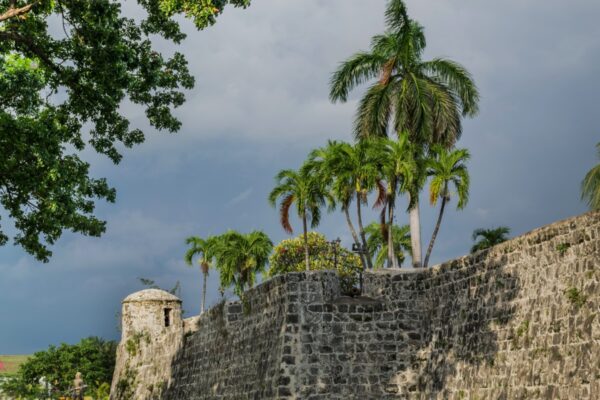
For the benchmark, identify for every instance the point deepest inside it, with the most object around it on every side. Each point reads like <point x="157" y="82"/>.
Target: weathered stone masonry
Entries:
<point x="519" y="321"/>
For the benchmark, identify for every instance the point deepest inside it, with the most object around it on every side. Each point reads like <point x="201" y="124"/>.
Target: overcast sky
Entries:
<point x="260" y="104"/>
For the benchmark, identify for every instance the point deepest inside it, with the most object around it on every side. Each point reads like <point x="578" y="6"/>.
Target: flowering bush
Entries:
<point x="288" y="256"/>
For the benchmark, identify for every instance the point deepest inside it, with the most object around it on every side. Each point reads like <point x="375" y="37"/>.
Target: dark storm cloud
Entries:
<point x="261" y="104"/>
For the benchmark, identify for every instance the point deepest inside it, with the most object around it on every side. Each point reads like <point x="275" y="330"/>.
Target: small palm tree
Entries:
<point x="204" y="249"/>
<point x="358" y="170"/>
<point x="399" y="169"/>
<point x="321" y="163"/>
<point x="308" y="194"/>
<point x="445" y="167"/>
<point x="378" y="242"/>
<point x="489" y="237"/>
<point x="240" y="257"/>
<point x="590" y="187"/>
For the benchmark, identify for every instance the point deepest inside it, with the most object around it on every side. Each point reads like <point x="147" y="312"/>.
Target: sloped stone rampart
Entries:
<point x="518" y="321"/>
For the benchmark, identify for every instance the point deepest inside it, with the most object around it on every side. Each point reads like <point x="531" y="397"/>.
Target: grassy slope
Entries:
<point x="11" y="363"/>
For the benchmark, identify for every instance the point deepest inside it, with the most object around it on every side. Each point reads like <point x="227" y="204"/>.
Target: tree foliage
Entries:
<point x="239" y="257"/>
<point x="489" y="237"/>
<point x="424" y="98"/>
<point x="203" y="13"/>
<point x="93" y="357"/>
<point x="377" y="242"/>
<point x="308" y="193"/>
<point x="204" y="249"/>
<point x="447" y="168"/>
<point x="288" y="256"/>
<point x="67" y="68"/>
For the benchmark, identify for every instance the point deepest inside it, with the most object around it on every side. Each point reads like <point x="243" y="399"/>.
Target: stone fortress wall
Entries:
<point x="518" y="321"/>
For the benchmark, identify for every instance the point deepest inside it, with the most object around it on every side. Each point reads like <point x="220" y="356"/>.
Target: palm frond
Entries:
<point x="445" y="115"/>
<point x="284" y="213"/>
<point x="396" y="15"/>
<point x="374" y="111"/>
<point x="356" y="70"/>
<point x="381" y="199"/>
<point x="489" y="237"/>
<point x="458" y="79"/>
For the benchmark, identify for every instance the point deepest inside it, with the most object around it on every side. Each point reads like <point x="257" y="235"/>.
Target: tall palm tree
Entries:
<point x="377" y="242"/>
<point x="590" y="187"/>
<point x="309" y="195"/>
<point x="204" y="249"/>
<point x="240" y="257"/>
<point x="424" y="98"/>
<point x="489" y="237"/>
<point x="399" y="169"/>
<point x="321" y="163"/>
<point x="447" y="167"/>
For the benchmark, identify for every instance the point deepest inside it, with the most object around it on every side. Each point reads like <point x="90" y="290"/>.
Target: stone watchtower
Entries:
<point x="153" y="311"/>
<point x="152" y="333"/>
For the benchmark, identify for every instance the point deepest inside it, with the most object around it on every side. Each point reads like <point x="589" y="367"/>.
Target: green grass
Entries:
<point x="11" y="363"/>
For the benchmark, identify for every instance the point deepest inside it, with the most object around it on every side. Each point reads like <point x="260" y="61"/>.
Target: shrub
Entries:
<point x="288" y="256"/>
<point x="93" y="357"/>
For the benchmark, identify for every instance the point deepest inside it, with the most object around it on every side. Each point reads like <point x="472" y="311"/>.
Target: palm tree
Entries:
<point x="309" y="195"/>
<point x="378" y="242"/>
<point x="240" y="257"/>
<point x="489" y="237"/>
<point x="358" y="168"/>
<point x="424" y="98"/>
<point x="320" y="163"/>
<point x="399" y="169"/>
<point x="590" y="187"/>
<point x="446" y="167"/>
<point x="204" y="249"/>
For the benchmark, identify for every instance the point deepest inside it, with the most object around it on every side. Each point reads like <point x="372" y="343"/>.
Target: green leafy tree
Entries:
<point x="93" y="357"/>
<point x="378" y="242"/>
<point x="239" y="257"/>
<point x="424" y="98"/>
<point x="447" y="167"/>
<point x="489" y="237"/>
<point x="288" y="256"/>
<point x="309" y="195"/>
<point x="204" y="249"/>
<point x="590" y="187"/>
<point x="63" y="89"/>
<point x="203" y="13"/>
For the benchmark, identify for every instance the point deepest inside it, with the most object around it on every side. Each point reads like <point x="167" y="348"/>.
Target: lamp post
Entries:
<point x="361" y="250"/>
<point x="335" y="244"/>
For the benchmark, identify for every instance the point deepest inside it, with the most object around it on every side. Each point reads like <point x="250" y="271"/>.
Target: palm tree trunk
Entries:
<point x="361" y="230"/>
<point x="306" y="255"/>
<point x="435" y="231"/>
<point x="354" y="235"/>
<point x="392" y="259"/>
<point x="415" y="233"/>
<point x="204" y="291"/>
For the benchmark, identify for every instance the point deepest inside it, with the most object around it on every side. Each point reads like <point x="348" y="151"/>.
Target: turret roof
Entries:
<point x="151" y="295"/>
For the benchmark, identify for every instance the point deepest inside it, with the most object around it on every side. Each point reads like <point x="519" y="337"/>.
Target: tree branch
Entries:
<point x="15" y="12"/>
